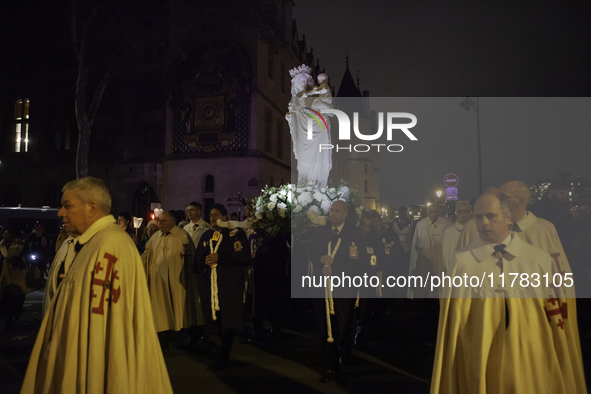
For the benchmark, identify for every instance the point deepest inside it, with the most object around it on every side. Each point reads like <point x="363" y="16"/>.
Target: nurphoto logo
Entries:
<point x="345" y="129"/>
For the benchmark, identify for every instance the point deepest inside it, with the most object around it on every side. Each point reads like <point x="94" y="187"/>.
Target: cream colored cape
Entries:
<point x="451" y="236"/>
<point x="98" y="334"/>
<point x="564" y="347"/>
<point x="167" y="261"/>
<point x="65" y="255"/>
<point x="426" y="255"/>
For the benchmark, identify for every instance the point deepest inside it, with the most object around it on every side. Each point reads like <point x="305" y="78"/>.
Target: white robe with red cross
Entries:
<point x="98" y="334"/>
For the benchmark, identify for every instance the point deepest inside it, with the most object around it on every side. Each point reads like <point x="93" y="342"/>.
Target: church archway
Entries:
<point x="142" y="200"/>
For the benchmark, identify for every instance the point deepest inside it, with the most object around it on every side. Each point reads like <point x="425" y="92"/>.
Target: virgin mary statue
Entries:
<point x="304" y="116"/>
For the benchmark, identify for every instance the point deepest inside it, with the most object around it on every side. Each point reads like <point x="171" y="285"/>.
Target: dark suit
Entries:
<point x="233" y="258"/>
<point x="351" y="259"/>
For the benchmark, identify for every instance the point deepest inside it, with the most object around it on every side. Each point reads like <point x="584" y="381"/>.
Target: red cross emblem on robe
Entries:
<point x="102" y="283"/>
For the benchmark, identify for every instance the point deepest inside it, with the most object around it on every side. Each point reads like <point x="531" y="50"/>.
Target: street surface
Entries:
<point x="394" y="356"/>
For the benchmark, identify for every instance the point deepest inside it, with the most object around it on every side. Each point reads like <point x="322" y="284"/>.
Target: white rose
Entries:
<point x="258" y="215"/>
<point x="305" y="198"/>
<point x="323" y="190"/>
<point x="318" y="196"/>
<point x="282" y="193"/>
<point x="310" y="188"/>
<point x="344" y="192"/>
<point x="300" y="189"/>
<point x="281" y="208"/>
<point x="319" y="221"/>
<point x="313" y="212"/>
<point x="332" y="190"/>
<point x="325" y="206"/>
<point x="271" y="205"/>
<point x="273" y="198"/>
<point x="297" y="209"/>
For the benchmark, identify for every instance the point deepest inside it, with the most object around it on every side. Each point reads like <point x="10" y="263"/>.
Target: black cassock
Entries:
<point x="233" y="258"/>
<point x="351" y="259"/>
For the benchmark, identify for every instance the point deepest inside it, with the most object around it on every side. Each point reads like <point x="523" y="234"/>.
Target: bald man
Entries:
<point x="520" y="343"/>
<point x="541" y="233"/>
<point x="533" y="230"/>
<point x="349" y="257"/>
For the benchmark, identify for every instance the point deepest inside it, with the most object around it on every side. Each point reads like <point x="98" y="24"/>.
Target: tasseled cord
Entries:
<point x="215" y="301"/>
<point x="329" y="302"/>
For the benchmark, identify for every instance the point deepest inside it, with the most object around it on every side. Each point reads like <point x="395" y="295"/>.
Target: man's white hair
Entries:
<point x="91" y="189"/>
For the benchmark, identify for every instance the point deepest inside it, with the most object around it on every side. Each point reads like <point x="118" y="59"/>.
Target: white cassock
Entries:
<point x="505" y="345"/>
<point x="64" y="257"/>
<point x="196" y="230"/>
<point x="426" y="255"/>
<point x="404" y="234"/>
<point x="450" y="239"/>
<point x="98" y="334"/>
<point x="168" y="262"/>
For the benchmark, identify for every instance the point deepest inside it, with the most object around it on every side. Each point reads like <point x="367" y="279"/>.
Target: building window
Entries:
<point x="209" y="187"/>
<point x="367" y="186"/>
<point x="21" y="118"/>
<point x="280" y="139"/>
<point x="268" y="136"/>
<point x="270" y="64"/>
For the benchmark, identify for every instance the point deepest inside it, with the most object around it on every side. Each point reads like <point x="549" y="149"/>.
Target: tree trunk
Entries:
<point x="85" y="118"/>
<point x="84" y="127"/>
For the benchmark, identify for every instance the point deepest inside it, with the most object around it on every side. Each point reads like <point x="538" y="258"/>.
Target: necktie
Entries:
<point x="165" y="234"/>
<point x="78" y="246"/>
<point x="516" y="227"/>
<point x="195" y="226"/>
<point x="499" y="250"/>
<point x="336" y="231"/>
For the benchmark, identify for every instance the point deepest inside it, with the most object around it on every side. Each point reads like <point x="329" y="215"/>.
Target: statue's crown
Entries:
<point x="303" y="69"/>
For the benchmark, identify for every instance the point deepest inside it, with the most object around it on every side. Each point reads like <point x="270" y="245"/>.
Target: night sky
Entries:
<point x="433" y="49"/>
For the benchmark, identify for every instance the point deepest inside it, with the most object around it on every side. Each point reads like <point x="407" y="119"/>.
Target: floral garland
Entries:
<point x="302" y="207"/>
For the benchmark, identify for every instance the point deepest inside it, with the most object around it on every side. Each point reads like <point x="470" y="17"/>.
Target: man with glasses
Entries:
<point x="451" y="235"/>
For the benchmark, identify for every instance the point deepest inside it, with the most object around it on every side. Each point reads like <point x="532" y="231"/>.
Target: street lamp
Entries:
<point x="468" y="104"/>
<point x="439" y="193"/>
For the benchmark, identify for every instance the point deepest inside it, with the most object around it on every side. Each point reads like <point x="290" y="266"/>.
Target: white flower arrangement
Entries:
<point x="302" y="207"/>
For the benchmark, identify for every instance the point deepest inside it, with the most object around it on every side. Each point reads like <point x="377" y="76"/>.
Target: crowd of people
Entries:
<point x="193" y="273"/>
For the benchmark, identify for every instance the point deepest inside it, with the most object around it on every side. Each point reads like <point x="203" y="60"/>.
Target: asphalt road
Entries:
<point x="395" y="355"/>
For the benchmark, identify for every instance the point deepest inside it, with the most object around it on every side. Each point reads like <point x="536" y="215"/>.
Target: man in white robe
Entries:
<point x="196" y="226"/>
<point x="402" y="226"/>
<point x="451" y="235"/>
<point x="426" y="256"/>
<point x="506" y="344"/>
<point x="166" y="257"/>
<point x="98" y="334"/>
